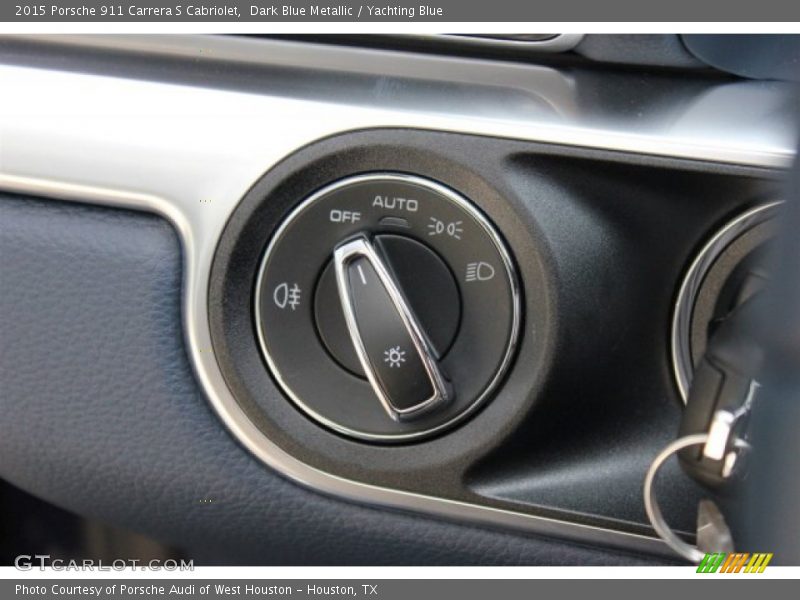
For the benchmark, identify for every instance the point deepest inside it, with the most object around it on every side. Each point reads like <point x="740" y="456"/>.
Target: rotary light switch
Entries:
<point x="387" y="307"/>
<point x="393" y="350"/>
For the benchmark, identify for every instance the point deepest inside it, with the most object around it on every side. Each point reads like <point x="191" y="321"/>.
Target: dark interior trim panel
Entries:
<point x="188" y="143"/>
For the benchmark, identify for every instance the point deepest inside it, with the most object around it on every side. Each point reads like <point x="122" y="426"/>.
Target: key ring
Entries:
<point x="662" y="528"/>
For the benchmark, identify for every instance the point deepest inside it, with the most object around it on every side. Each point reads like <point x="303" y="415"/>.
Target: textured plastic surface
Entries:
<point x="101" y="413"/>
<point x="659" y="50"/>
<point x="601" y="242"/>
<point x="755" y="56"/>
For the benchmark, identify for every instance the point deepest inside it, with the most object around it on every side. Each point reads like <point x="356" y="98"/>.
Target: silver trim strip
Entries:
<point x="743" y="122"/>
<point x="682" y="364"/>
<point x="342" y="256"/>
<point x="190" y="154"/>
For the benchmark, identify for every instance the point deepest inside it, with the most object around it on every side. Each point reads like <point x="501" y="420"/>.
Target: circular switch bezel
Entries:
<point x="333" y="396"/>
<point x="693" y="288"/>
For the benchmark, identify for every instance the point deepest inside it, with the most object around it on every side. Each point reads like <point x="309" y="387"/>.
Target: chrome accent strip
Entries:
<point x="742" y="122"/>
<point x="190" y="154"/>
<point x="342" y="256"/>
<point x="681" y="351"/>
<point x="467" y="207"/>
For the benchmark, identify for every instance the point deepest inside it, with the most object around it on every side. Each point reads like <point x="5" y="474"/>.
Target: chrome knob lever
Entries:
<point x="393" y="350"/>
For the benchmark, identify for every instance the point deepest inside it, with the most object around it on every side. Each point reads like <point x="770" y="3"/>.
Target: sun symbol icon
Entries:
<point x="394" y="357"/>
